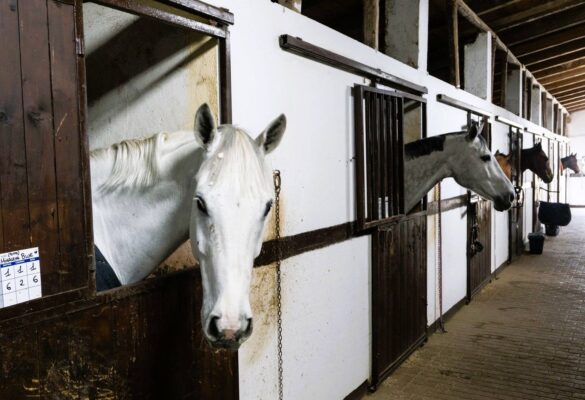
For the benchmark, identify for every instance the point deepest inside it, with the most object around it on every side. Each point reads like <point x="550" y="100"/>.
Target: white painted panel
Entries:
<point x="326" y="329"/>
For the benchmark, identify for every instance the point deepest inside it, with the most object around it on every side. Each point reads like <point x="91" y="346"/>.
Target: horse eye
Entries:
<point x="201" y="205"/>
<point x="268" y="207"/>
<point x="486" y="158"/>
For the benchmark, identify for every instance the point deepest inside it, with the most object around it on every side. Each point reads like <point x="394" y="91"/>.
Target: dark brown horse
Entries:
<point x="571" y="163"/>
<point x="534" y="159"/>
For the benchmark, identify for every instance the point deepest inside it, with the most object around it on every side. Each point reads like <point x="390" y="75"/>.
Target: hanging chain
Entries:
<point x="276" y="176"/>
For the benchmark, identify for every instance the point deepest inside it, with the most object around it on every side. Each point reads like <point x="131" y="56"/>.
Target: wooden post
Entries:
<point x="504" y="81"/>
<point x="453" y="31"/>
<point x="371" y="23"/>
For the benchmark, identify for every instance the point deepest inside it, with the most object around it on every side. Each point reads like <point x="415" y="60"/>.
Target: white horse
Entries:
<point x="215" y="183"/>
<point x="462" y="155"/>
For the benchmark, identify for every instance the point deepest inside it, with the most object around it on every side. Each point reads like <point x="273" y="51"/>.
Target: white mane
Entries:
<point x="135" y="162"/>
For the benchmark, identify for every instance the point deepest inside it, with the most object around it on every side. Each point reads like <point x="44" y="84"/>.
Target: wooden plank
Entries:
<point x="563" y="76"/>
<point x="549" y="40"/>
<point x="68" y="147"/>
<point x="553" y="52"/>
<point x="371" y="23"/>
<point x="19" y="364"/>
<point x="527" y="12"/>
<point x="569" y="66"/>
<point x="552" y="64"/>
<point x="544" y="26"/>
<point x="39" y="139"/>
<point x="577" y="87"/>
<point x="453" y="37"/>
<point x="14" y="214"/>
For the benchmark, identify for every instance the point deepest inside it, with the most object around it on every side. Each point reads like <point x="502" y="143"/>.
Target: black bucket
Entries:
<point x="551" y="230"/>
<point x="536" y="242"/>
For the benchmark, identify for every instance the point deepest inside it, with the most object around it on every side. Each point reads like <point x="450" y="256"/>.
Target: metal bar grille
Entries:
<point x="379" y="156"/>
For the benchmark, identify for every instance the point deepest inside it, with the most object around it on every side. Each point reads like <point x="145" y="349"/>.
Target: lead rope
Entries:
<point x="277" y="182"/>
<point x="439" y="257"/>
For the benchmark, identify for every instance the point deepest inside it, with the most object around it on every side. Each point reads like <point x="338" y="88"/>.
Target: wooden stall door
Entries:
<point x="399" y="294"/>
<point x="43" y="190"/>
<point x="479" y="215"/>
<point x="516" y="241"/>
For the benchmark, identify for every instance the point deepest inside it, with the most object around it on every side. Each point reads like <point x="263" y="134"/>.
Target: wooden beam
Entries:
<point x="371" y="23"/>
<point x="554" y="63"/>
<point x="530" y="13"/>
<point x="569" y="88"/>
<point x="576" y="107"/>
<point x="453" y="36"/>
<point x="578" y="104"/>
<point x="565" y="82"/>
<point x="558" y="70"/>
<point x="572" y="99"/>
<point x="553" y="52"/>
<point x="470" y="16"/>
<point x="545" y="26"/>
<point x="540" y="43"/>
<point x="572" y="73"/>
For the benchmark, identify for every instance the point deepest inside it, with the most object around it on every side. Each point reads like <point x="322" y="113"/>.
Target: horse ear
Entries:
<point x="269" y="139"/>
<point x="473" y="131"/>
<point x="498" y="152"/>
<point x="204" y="125"/>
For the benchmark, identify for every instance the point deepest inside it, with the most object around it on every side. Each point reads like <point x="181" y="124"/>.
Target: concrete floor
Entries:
<point x="522" y="337"/>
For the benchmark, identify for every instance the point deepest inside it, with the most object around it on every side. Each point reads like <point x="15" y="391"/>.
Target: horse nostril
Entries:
<point x="212" y="329"/>
<point x="512" y="197"/>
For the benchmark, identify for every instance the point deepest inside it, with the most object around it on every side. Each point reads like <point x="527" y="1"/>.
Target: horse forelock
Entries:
<point x="136" y="163"/>
<point x="235" y="160"/>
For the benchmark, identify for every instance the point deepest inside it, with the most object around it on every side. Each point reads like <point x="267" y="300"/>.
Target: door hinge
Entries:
<point x="79" y="47"/>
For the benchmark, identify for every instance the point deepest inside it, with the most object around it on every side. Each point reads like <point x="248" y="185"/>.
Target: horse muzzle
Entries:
<point x="503" y="203"/>
<point x="230" y="337"/>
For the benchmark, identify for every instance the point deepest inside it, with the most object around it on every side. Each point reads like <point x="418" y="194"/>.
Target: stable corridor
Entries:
<point x="522" y="336"/>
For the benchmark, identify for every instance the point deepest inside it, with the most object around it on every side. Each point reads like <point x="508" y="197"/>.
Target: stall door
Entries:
<point x="399" y="291"/>
<point x="516" y="242"/>
<point x="479" y="215"/>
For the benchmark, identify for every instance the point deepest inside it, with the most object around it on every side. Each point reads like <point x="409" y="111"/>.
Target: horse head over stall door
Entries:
<point x="534" y="159"/>
<point x="215" y="183"/>
<point x="570" y="162"/>
<point x="462" y="155"/>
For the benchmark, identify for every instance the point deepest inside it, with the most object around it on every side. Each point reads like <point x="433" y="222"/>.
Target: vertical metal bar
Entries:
<point x="358" y="103"/>
<point x="389" y="115"/>
<point x="225" y="79"/>
<point x="377" y="159"/>
<point x="400" y="166"/>
<point x="369" y="158"/>
<point x="384" y="155"/>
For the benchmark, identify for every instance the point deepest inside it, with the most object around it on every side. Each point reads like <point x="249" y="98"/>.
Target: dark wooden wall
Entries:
<point x="138" y="342"/>
<point x="42" y="179"/>
<point x="142" y="343"/>
<point x="399" y="294"/>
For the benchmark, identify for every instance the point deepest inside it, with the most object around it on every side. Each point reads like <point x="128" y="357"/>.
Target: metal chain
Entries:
<point x="277" y="182"/>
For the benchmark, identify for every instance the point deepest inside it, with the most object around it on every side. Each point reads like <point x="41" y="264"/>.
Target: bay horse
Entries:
<point x="570" y="162"/>
<point x="211" y="184"/>
<point x="534" y="159"/>
<point x="462" y="155"/>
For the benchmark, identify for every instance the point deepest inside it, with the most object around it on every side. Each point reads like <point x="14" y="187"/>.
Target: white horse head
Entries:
<point x="473" y="166"/>
<point x="461" y="155"/>
<point x="233" y="197"/>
